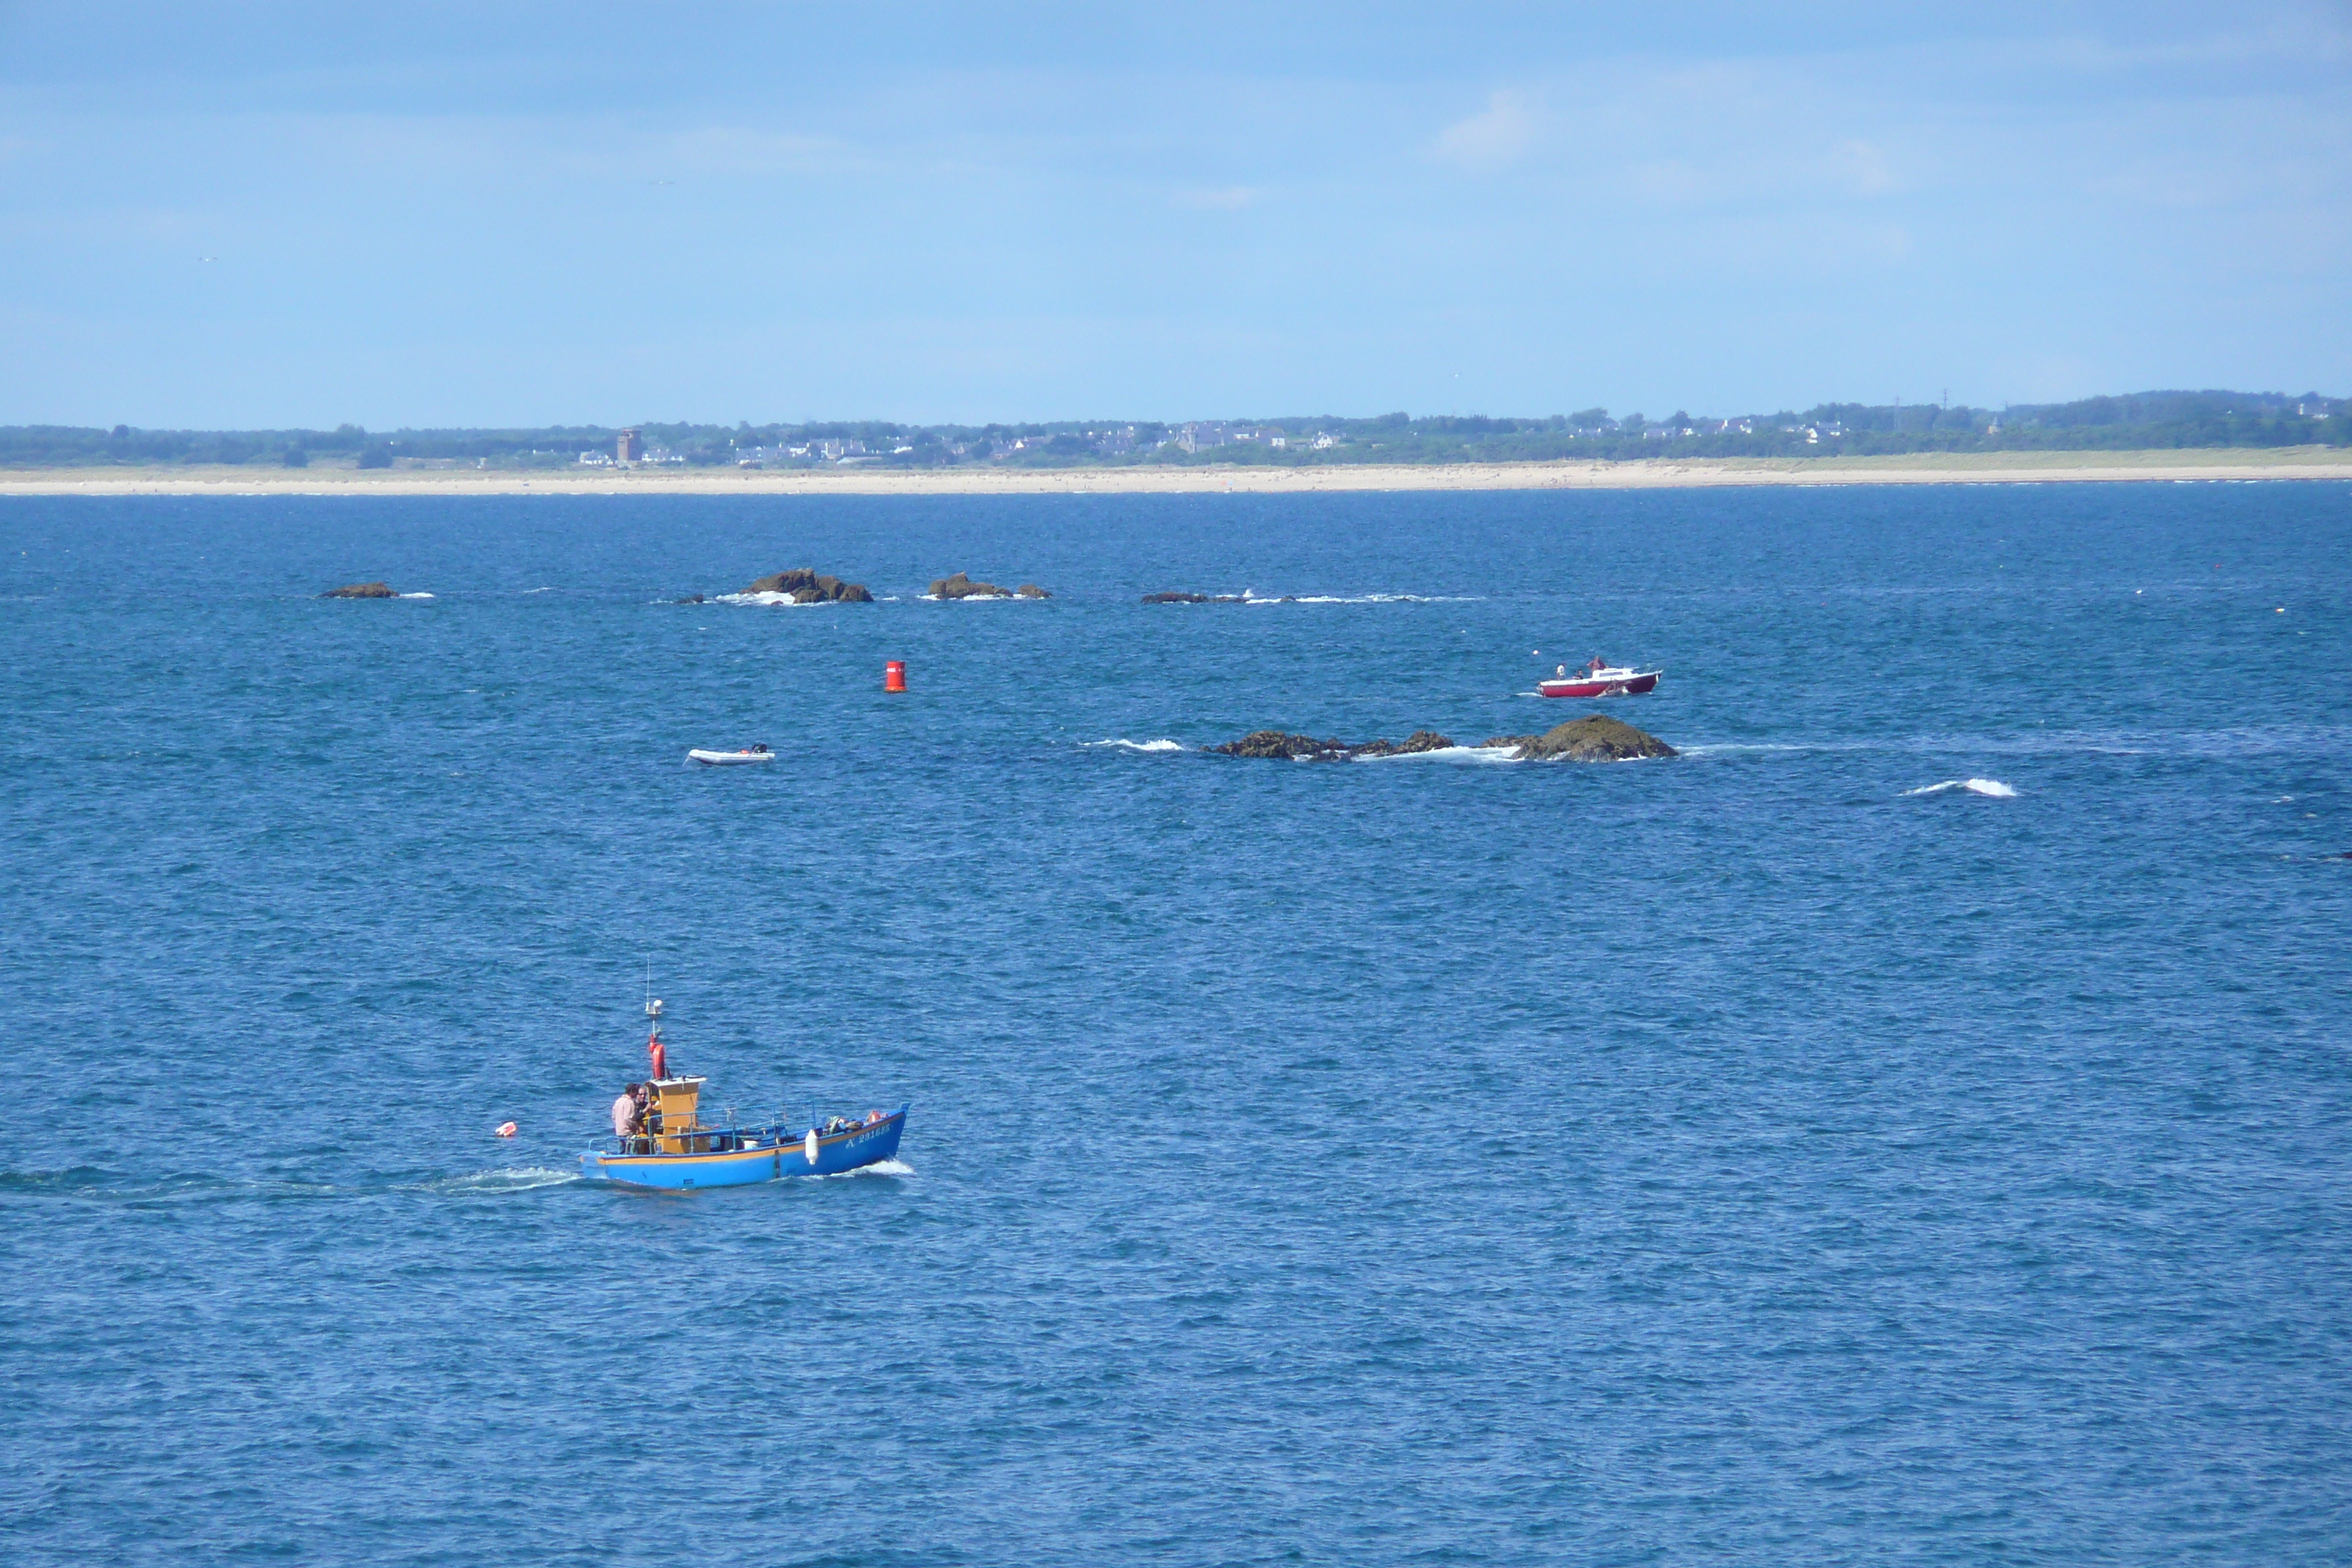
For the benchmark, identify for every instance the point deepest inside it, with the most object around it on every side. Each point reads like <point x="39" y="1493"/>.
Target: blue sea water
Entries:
<point x="1761" y="1155"/>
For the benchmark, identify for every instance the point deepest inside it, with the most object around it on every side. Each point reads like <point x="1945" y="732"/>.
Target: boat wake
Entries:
<point x="1992" y="789"/>
<point x="510" y="1179"/>
<point x="1134" y="745"/>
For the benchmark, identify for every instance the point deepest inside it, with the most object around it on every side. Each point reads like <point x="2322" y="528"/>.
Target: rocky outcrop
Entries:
<point x="962" y="587"/>
<point x="1203" y="599"/>
<point x="1307" y="749"/>
<point x="360" y="591"/>
<point x="808" y="586"/>
<point x="1595" y="738"/>
<point x="1297" y="748"/>
<point x="1030" y="591"/>
<point x="1419" y="740"/>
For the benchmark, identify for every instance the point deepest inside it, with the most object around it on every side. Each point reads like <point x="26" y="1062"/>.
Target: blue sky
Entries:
<point x="481" y="213"/>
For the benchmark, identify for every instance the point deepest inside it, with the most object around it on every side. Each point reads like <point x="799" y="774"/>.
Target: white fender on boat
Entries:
<point x="808" y="1146"/>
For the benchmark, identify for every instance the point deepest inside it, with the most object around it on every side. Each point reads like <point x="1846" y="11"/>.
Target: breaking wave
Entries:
<point x="416" y="595"/>
<point x="1135" y="745"/>
<point x="1991" y="788"/>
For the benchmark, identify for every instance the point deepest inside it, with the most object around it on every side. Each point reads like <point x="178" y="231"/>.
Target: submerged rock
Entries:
<point x="360" y="591"/>
<point x="1595" y="738"/>
<point x="1175" y="598"/>
<point x="808" y="586"/>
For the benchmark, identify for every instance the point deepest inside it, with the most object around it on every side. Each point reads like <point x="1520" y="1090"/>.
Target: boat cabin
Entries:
<point x="670" y="1105"/>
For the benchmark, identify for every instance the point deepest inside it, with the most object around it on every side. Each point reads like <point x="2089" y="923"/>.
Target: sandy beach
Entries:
<point x="1982" y="468"/>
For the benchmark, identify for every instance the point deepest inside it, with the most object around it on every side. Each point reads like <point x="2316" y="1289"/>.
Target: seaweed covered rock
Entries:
<point x="360" y="591"/>
<point x="805" y="585"/>
<point x="1595" y="738"/>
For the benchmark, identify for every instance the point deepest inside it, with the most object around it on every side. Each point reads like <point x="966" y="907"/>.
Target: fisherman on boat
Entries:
<point x="627" y="1108"/>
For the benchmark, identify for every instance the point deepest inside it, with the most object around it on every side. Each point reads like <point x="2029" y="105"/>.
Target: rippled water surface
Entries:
<point x="1910" y="1126"/>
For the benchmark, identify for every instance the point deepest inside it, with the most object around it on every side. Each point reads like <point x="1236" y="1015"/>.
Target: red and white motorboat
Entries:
<point x="1600" y="680"/>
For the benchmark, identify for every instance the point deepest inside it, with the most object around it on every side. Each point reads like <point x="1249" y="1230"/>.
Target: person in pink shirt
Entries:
<point x="625" y="1112"/>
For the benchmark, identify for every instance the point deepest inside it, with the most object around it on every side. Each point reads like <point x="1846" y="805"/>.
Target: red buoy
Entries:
<point x="894" y="675"/>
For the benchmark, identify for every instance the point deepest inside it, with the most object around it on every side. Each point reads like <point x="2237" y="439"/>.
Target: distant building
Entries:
<point x="628" y="449"/>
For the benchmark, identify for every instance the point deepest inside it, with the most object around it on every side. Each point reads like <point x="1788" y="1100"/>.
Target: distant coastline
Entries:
<point x="1563" y="474"/>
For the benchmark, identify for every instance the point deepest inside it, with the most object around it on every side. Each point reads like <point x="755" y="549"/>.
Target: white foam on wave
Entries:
<point x="1137" y="745"/>
<point x="879" y="1168"/>
<point x="1450" y="755"/>
<point x="1992" y="789"/>
<point x="527" y="593"/>
<point x="416" y="595"/>
<point x="771" y="601"/>
<point x="1250" y="597"/>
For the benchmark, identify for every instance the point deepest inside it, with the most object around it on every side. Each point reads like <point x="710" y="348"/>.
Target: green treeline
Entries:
<point x="2140" y="421"/>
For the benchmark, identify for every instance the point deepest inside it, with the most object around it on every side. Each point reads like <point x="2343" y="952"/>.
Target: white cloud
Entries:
<point x="1492" y="138"/>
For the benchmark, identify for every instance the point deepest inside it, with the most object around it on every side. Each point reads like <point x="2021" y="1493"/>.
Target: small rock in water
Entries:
<point x="1595" y="738"/>
<point x="1030" y="591"/>
<point x="360" y="591"/>
<point x="1307" y="748"/>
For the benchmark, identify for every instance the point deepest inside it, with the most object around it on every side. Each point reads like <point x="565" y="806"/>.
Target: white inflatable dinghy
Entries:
<point x="728" y="759"/>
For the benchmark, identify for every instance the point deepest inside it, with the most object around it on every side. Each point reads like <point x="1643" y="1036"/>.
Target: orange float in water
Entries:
<point x="894" y="675"/>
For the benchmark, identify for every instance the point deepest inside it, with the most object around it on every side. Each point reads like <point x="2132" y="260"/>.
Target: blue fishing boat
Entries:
<point x="661" y="1140"/>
